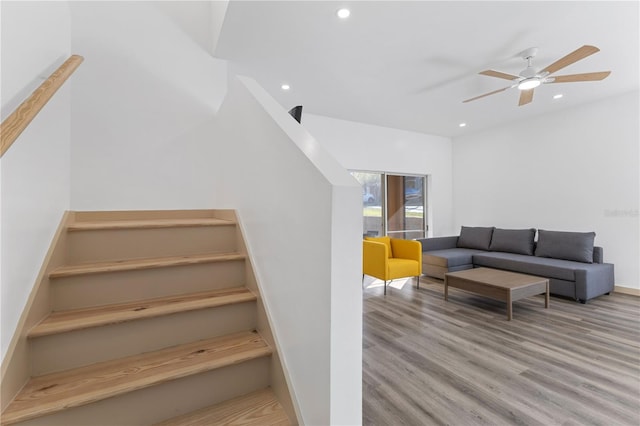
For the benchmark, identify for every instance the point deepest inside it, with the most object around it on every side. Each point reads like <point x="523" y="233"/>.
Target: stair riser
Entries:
<point x="109" y="245"/>
<point x="83" y="347"/>
<point x="119" y="287"/>
<point x="117" y="215"/>
<point x="156" y="403"/>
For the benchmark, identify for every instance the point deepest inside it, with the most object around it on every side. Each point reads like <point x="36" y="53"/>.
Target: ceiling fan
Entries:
<point x="530" y="77"/>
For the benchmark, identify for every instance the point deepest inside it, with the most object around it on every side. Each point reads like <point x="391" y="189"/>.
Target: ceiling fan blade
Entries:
<point x="572" y="57"/>
<point x="526" y="96"/>
<point x="498" y="74"/>
<point x="487" y="94"/>
<point x="590" y="76"/>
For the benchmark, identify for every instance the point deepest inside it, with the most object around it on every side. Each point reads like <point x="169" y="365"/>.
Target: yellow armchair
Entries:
<point x="390" y="258"/>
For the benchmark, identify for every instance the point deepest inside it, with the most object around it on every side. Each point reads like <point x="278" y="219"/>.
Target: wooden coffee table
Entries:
<point x="499" y="285"/>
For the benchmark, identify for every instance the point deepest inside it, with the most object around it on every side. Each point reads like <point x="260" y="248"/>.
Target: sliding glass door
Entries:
<point x="393" y="204"/>
<point x="406" y="206"/>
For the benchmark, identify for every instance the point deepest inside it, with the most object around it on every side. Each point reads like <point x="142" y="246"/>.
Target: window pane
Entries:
<point x="372" y="197"/>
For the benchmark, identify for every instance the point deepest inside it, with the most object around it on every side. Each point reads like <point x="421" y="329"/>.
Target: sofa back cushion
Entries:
<point x="518" y="241"/>
<point x="576" y="246"/>
<point x="475" y="237"/>
<point x="384" y="240"/>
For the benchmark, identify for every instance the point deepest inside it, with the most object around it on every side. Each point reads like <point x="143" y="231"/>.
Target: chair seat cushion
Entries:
<point x="400" y="268"/>
<point x="450" y="257"/>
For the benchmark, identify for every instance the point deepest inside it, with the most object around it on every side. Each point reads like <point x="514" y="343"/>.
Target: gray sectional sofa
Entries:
<point x="574" y="266"/>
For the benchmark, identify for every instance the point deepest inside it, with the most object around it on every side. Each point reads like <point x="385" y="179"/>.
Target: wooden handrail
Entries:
<point x="19" y="119"/>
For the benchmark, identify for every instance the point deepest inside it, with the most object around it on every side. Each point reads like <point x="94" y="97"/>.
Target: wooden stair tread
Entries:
<point x="77" y="319"/>
<point x="259" y="408"/>
<point x="146" y="224"/>
<point x="135" y="264"/>
<point x="55" y="392"/>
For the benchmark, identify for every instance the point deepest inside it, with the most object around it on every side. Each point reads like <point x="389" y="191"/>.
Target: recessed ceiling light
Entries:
<point x="558" y="96"/>
<point x="462" y="125"/>
<point x="343" y="13"/>
<point x="285" y="87"/>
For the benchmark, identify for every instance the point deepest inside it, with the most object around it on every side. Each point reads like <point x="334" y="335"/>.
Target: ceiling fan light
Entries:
<point x="529" y="83"/>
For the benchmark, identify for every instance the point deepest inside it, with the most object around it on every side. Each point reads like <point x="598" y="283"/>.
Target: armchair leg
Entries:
<point x="418" y="277"/>
<point x="385" y="287"/>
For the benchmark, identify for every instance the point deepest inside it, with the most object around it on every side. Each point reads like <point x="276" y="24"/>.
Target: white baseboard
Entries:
<point x="627" y="290"/>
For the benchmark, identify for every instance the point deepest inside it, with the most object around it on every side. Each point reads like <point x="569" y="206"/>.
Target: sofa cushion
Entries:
<point x="531" y="265"/>
<point x="576" y="246"/>
<point x="450" y="257"/>
<point x="513" y="240"/>
<point x="478" y="238"/>
<point x="384" y="240"/>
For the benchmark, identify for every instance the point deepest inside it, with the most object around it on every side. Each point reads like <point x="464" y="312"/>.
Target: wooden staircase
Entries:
<point x="151" y="321"/>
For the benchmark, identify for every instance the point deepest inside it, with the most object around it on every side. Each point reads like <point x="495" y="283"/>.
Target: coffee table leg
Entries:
<point x="546" y="296"/>
<point x="446" y="289"/>
<point x="509" y="306"/>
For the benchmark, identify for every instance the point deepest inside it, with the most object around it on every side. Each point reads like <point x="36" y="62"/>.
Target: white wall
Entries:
<point x="574" y="170"/>
<point x="35" y="170"/>
<point x="359" y="146"/>
<point x="143" y="107"/>
<point x="302" y="215"/>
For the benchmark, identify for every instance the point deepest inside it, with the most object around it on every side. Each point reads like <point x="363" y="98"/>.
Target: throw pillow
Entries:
<point x="518" y="241"/>
<point x="384" y="240"/>
<point x="576" y="246"/>
<point x="475" y="237"/>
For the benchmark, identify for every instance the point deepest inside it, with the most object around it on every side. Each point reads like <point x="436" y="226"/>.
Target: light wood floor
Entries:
<point x="431" y="362"/>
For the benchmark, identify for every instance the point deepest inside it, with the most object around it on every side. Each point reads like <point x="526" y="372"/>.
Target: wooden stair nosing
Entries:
<point x="145" y="263"/>
<point x="55" y="392"/>
<point x="146" y="224"/>
<point x="78" y="319"/>
<point x="260" y="408"/>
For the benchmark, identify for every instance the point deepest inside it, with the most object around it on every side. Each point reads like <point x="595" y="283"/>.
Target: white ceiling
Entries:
<point x="410" y="65"/>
